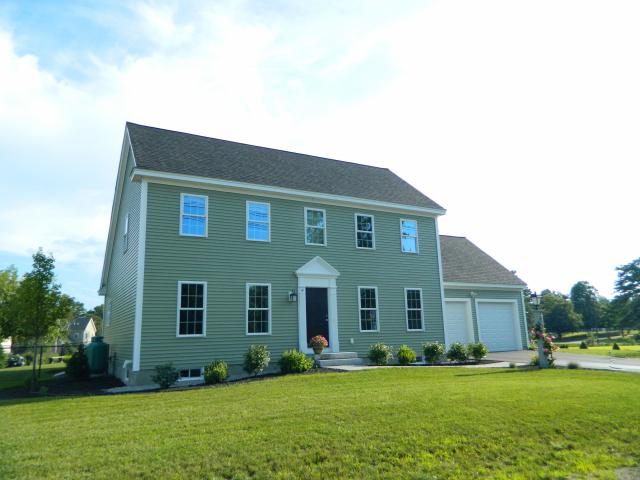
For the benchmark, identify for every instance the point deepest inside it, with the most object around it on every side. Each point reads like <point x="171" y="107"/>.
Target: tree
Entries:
<point x="37" y="304"/>
<point x="528" y="309"/>
<point x="97" y="314"/>
<point x="627" y="300"/>
<point x="584" y="297"/>
<point x="8" y="287"/>
<point x="60" y="331"/>
<point x="559" y="314"/>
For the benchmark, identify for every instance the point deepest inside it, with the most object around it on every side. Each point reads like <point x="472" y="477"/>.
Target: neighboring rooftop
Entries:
<point x="78" y="325"/>
<point x="463" y="262"/>
<point x="183" y="153"/>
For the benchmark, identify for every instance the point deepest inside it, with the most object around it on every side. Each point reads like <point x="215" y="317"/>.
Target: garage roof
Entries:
<point x="464" y="262"/>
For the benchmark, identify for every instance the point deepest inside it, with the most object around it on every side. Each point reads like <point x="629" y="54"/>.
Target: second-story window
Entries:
<point x="315" y="226"/>
<point x="125" y="233"/>
<point x="365" y="236"/>
<point x="193" y="215"/>
<point x="409" y="236"/>
<point x="258" y="221"/>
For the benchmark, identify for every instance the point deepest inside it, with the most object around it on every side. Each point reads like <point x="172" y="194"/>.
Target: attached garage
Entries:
<point x="498" y="325"/>
<point x="458" y="321"/>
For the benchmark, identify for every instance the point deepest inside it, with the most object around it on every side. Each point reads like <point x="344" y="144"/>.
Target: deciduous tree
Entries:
<point x="584" y="297"/>
<point x="559" y="314"/>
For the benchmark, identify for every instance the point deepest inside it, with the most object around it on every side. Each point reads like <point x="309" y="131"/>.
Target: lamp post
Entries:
<point x="542" y="358"/>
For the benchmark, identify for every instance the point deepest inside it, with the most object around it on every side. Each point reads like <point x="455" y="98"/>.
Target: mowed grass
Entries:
<point x="17" y="376"/>
<point x="626" y="351"/>
<point x="409" y="423"/>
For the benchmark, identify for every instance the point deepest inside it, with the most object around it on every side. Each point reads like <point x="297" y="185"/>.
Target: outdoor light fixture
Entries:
<point x="535" y="300"/>
<point x="293" y="296"/>
<point x="473" y="294"/>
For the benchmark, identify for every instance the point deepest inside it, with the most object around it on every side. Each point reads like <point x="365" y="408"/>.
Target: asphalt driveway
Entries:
<point x="562" y="359"/>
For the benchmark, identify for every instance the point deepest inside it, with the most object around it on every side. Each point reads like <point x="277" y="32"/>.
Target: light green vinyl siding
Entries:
<point x="227" y="261"/>
<point x="121" y="283"/>
<point x="497" y="294"/>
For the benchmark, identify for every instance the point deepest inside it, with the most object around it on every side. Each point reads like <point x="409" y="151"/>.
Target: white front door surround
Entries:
<point x="318" y="273"/>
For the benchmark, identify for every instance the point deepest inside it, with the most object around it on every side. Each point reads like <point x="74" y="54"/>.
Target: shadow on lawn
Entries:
<point x="499" y="371"/>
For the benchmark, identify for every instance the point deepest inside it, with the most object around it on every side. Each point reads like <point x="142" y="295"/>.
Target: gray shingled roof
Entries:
<point x="175" y="152"/>
<point x="79" y="324"/>
<point x="463" y="262"/>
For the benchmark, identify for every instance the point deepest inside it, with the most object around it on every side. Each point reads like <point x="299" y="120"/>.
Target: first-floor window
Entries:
<point x="258" y="309"/>
<point x="191" y="308"/>
<point x="413" y="304"/>
<point x="368" y="307"/>
<point x="190" y="373"/>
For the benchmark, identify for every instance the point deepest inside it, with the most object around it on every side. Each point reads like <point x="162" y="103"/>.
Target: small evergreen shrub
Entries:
<point x="616" y="346"/>
<point x="573" y="365"/>
<point x="216" y="372"/>
<point x="28" y="357"/>
<point x="564" y="345"/>
<point x="293" y="361"/>
<point x="78" y="365"/>
<point x="380" y="354"/>
<point x="477" y="351"/>
<point x="406" y="355"/>
<point x="535" y="361"/>
<point x="457" y="352"/>
<point x="166" y="375"/>
<point x="512" y="365"/>
<point x="583" y="345"/>
<point x="433" y="352"/>
<point x="256" y="359"/>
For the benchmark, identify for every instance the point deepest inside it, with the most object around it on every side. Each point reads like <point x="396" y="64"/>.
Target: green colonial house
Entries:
<point x="215" y="245"/>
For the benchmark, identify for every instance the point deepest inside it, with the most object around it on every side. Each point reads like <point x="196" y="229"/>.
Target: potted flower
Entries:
<point x="318" y="343"/>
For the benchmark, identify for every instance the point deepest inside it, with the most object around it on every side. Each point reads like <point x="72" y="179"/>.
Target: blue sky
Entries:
<point x="519" y="117"/>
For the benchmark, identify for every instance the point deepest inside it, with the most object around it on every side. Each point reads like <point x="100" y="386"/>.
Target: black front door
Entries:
<point x="317" y="313"/>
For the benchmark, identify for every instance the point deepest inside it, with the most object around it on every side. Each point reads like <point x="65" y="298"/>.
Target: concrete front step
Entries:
<point x="341" y="362"/>
<point x="338" y="355"/>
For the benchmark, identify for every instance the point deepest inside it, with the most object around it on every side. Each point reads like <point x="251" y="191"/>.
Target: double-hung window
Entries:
<point x="409" y="235"/>
<point x="365" y="235"/>
<point x="315" y="226"/>
<point x="193" y="215"/>
<point x="258" y="221"/>
<point x="258" y="309"/>
<point x="413" y="306"/>
<point x="192" y="309"/>
<point x="368" y="308"/>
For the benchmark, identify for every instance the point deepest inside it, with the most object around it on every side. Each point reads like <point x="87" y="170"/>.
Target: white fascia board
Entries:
<point x="488" y="286"/>
<point x="278" y="192"/>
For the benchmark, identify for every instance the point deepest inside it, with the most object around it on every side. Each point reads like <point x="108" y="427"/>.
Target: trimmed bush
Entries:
<point x="406" y="355"/>
<point x="293" y="361"/>
<point x="166" y="375"/>
<point x="457" y="352"/>
<point x="216" y="372"/>
<point x="616" y="346"/>
<point x="573" y="365"/>
<point x="433" y="352"/>
<point x="512" y="365"/>
<point x="477" y="351"/>
<point x="256" y="359"/>
<point x="564" y="345"/>
<point x="78" y="365"/>
<point x="583" y="345"/>
<point x="380" y="354"/>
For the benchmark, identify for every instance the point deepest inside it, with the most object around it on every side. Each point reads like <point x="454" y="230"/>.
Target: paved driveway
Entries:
<point x="585" y="361"/>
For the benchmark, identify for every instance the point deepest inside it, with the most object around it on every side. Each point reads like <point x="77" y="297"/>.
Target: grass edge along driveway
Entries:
<point x="386" y="423"/>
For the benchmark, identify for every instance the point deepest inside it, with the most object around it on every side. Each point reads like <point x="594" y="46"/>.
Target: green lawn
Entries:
<point x="626" y="351"/>
<point x="411" y="423"/>
<point x="16" y="376"/>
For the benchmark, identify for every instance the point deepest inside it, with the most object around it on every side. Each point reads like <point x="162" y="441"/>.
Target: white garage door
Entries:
<point x="457" y="323"/>
<point x="498" y="327"/>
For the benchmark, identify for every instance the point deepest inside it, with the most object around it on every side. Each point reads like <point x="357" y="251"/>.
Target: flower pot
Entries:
<point x="317" y="350"/>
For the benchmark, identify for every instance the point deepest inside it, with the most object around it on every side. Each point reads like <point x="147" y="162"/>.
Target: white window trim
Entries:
<point x="268" y="222"/>
<point x="204" y="309"/>
<point x="373" y="229"/>
<point x="409" y="236"/>
<point x="107" y="311"/>
<point x="324" y="213"/>
<point x="406" y="310"/>
<point x="191" y="379"/>
<point x="206" y="215"/>
<point x="246" y="309"/>
<point x="125" y="235"/>
<point x="377" y="309"/>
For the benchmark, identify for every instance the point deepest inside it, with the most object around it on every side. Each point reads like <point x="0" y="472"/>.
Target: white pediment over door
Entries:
<point x="317" y="267"/>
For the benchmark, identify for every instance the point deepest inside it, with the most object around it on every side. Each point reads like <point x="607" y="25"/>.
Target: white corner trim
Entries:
<point x="524" y="316"/>
<point x="442" y="301"/>
<point x="142" y="243"/>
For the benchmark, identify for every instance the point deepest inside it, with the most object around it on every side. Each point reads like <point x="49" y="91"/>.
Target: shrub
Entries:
<point x="78" y="365"/>
<point x="477" y="351"/>
<point x="293" y="361"/>
<point x="616" y="346"/>
<point x="637" y="337"/>
<point x="166" y="375"/>
<point x="256" y="359"/>
<point x="216" y="372"/>
<point x="406" y="355"/>
<point x="28" y="357"/>
<point x="3" y="359"/>
<point x="380" y="354"/>
<point x="512" y="365"/>
<point x="457" y="352"/>
<point x="66" y="358"/>
<point x="573" y="365"/>
<point x="583" y="345"/>
<point x="564" y="345"/>
<point x="535" y="361"/>
<point x="433" y="352"/>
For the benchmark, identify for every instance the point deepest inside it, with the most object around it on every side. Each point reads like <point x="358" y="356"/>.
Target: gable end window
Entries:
<point x="192" y="309"/>
<point x="315" y="226"/>
<point x="413" y="306"/>
<point x="193" y="215"/>
<point x="365" y="231"/>
<point x="409" y="236"/>
<point x="258" y="309"/>
<point x="258" y="221"/>
<point x="368" y="309"/>
<point x="125" y="234"/>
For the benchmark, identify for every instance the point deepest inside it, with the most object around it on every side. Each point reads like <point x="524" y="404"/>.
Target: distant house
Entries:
<point x="81" y="330"/>
<point x="5" y="345"/>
